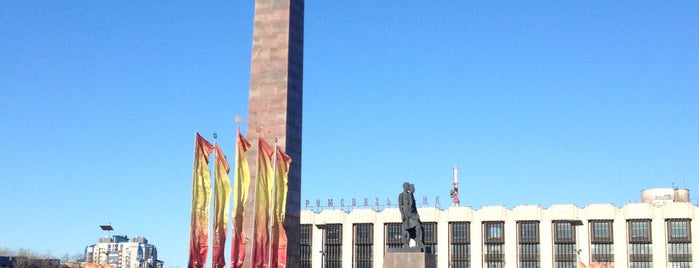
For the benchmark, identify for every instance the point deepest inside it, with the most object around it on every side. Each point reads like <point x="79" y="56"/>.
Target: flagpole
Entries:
<point x="254" y="200"/>
<point x="236" y="193"/>
<point x="194" y="165"/>
<point x="191" y="220"/>
<point x="215" y="195"/>
<point x="273" y="201"/>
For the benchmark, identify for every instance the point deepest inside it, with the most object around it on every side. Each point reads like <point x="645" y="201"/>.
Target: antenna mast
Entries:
<point x="455" y="188"/>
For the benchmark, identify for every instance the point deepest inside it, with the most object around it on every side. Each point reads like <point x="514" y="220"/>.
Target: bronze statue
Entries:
<point x="412" y="227"/>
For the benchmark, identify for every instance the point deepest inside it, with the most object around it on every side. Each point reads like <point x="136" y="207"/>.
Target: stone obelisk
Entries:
<point x="275" y="105"/>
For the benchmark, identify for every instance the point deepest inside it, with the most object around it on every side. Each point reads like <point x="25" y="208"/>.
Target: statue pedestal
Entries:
<point x="409" y="258"/>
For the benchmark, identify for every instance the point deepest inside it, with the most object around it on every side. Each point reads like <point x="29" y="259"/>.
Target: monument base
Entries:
<point x="409" y="258"/>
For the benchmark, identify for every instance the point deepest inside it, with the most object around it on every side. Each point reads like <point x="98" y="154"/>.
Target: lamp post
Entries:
<point x="575" y="224"/>
<point x="108" y="228"/>
<point x="323" y="230"/>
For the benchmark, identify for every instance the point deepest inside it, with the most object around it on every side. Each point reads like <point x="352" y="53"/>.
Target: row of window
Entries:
<point x="528" y="239"/>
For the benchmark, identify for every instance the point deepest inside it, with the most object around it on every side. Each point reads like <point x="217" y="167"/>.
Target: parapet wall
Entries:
<point x="501" y="213"/>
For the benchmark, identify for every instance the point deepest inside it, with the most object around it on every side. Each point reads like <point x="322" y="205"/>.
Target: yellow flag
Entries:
<point x="263" y="188"/>
<point x="281" y="183"/>
<point x="281" y="179"/>
<point x="201" y="199"/>
<point x="240" y="196"/>
<point x="222" y="196"/>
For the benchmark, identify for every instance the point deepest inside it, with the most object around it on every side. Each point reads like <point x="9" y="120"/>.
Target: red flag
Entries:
<point x="201" y="199"/>
<point x="240" y="196"/>
<point x="260" y="247"/>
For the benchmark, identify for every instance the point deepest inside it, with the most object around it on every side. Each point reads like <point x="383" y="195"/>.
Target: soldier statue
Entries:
<point x="412" y="228"/>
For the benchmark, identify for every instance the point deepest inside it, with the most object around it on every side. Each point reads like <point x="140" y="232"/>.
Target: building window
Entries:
<point x="429" y="235"/>
<point x="601" y="231"/>
<point x="493" y="232"/>
<point x="333" y="246"/>
<point x="602" y="241"/>
<point x="363" y="245"/>
<point x="459" y="244"/>
<point x="639" y="231"/>
<point x="306" y="245"/>
<point x="528" y="244"/>
<point x="493" y="244"/>
<point x="679" y="243"/>
<point x="640" y="244"/>
<point x="564" y="232"/>
<point x="565" y="251"/>
<point x="678" y="231"/>
<point x="394" y="235"/>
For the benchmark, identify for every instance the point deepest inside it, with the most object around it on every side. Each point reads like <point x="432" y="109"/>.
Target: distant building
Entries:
<point x="653" y="233"/>
<point x="120" y="252"/>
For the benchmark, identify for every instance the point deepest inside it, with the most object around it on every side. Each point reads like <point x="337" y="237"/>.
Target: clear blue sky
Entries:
<point x="537" y="103"/>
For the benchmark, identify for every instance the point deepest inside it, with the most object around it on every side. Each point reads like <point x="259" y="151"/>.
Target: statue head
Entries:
<point x="411" y="188"/>
<point x="406" y="186"/>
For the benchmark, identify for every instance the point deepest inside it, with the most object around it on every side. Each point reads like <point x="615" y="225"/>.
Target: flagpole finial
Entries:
<point x="215" y="136"/>
<point x="238" y="119"/>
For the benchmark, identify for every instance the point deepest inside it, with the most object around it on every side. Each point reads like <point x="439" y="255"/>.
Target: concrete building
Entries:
<point x="120" y="252"/>
<point x="653" y="233"/>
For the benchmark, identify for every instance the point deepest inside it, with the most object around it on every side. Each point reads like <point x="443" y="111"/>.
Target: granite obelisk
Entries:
<point x="275" y="105"/>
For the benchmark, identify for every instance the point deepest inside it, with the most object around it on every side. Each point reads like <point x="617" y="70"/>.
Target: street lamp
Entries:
<point x="108" y="228"/>
<point x="323" y="229"/>
<point x="575" y="224"/>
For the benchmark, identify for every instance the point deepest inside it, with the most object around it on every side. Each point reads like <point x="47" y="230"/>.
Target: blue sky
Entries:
<point x="537" y="103"/>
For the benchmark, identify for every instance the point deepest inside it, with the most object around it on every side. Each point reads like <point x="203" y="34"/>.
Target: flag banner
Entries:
<point x="222" y="196"/>
<point x="581" y="265"/>
<point x="265" y="171"/>
<point x="240" y="196"/>
<point x="281" y="179"/>
<point x="201" y="199"/>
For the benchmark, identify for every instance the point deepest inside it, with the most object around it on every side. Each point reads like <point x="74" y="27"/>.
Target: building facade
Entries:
<point x="653" y="233"/>
<point x="120" y="252"/>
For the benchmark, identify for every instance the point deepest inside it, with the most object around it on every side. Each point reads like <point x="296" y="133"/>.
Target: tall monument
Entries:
<point x="276" y="103"/>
